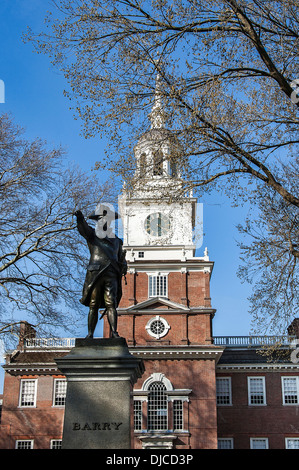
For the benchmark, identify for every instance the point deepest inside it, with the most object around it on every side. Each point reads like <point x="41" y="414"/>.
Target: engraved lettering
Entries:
<point x="116" y="426"/>
<point x="86" y="427"/>
<point x="113" y="426"/>
<point x="96" y="427"/>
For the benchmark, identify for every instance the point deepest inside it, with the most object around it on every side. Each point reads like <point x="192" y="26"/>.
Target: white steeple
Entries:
<point x="157" y="115"/>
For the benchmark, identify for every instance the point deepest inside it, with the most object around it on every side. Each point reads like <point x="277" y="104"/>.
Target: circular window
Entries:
<point x="157" y="327"/>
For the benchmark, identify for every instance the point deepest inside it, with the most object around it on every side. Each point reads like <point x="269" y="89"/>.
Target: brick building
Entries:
<point x="198" y="391"/>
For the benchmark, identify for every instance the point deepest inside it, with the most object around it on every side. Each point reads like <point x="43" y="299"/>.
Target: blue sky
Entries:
<point x="34" y="96"/>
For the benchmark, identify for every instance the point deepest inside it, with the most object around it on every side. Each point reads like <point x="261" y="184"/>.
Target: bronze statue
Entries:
<point x="107" y="264"/>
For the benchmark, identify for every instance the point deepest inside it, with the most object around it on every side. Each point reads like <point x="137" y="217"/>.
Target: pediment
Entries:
<point x="158" y="303"/>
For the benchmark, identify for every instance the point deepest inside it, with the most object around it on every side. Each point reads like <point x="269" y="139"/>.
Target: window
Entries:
<point x="137" y="415"/>
<point x="142" y="164"/>
<point x="158" y="285"/>
<point x="28" y="392"/>
<point x="290" y="387"/>
<point x="157" y="327"/>
<point x="157" y="407"/>
<point x="259" y="443"/>
<point x="292" y="443"/>
<point x="59" y="392"/>
<point x="56" y="444"/>
<point x="164" y="405"/>
<point x="178" y="422"/>
<point x="24" y="444"/>
<point x="223" y="391"/>
<point x="158" y="163"/>
<point x="256" y="391"/>
<point x="225" y="443"/>
<point x="140" y="254"/>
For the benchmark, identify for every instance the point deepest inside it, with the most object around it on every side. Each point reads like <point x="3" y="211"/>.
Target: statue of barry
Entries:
<point x="107" y="264"/>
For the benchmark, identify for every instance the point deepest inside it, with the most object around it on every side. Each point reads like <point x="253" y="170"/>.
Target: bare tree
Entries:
<point x="269" y="254"/>
<point x="41" y="257"/>
<point x="227" y="68"/>
<point x="229" y="83"/>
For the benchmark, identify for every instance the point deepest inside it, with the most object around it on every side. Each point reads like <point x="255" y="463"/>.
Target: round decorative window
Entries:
<point x="157" y="327"/>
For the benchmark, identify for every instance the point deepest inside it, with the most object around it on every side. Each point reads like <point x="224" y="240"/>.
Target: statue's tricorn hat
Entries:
<point x="106" y="211"/>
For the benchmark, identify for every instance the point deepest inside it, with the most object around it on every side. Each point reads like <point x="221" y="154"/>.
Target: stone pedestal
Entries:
<point x="100" y="376"/>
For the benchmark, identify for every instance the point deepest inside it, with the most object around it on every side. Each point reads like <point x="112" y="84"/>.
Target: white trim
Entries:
<point x="153" y="300"/>
<point x="157" y="377"/>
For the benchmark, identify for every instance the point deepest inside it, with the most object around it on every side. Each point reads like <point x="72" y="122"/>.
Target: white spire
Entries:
<point x="157" y="115"/>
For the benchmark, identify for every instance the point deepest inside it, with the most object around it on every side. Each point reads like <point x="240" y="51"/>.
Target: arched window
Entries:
<point x="158" y="163"/>
<point x="157" y="407"/>
<point x="142" y="164"/>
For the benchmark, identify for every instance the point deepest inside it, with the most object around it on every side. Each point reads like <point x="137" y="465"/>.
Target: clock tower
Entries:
<point x="165" y="312"/>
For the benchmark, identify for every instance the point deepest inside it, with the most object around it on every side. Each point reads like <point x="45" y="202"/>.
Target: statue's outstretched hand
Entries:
<point x="78" y="214"/>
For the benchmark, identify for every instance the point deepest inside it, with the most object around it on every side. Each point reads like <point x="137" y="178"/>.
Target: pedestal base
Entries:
<point x="100" y="375"/>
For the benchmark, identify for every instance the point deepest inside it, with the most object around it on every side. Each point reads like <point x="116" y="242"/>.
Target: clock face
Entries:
<point x="157" y="224"/>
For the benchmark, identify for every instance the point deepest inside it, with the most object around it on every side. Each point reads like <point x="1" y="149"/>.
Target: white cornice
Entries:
<point x="271" y="367"/>
<point x="178" y="352"/>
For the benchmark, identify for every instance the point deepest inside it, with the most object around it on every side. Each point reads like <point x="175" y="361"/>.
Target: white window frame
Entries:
<point x="53" y="442"/>
<point x="22" y="385"/>
<point x="162" y="333"/>
<point x="178" y="414"/>
<point x="55" y="392"/>
<point x="173" y="395"/>
<point x="283" y="388"/>
<point x="230" y="440"/>
<point x="229" y="379"/>
<point x="18" y="441"/>
<point x="288" y="441"/>
<point x="154" y="292"/>
<point x="261" y="439"/>
<point x="249" y="382"/>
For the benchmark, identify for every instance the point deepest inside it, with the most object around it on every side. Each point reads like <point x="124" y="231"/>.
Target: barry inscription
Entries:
<point x="96" y="426"/>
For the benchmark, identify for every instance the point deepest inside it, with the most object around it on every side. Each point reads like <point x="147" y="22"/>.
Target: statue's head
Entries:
<point x="105" y="217"/>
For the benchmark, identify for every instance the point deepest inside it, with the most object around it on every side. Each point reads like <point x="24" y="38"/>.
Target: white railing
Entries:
<point x="50" y="343"/>
<point x="237" y="341"/>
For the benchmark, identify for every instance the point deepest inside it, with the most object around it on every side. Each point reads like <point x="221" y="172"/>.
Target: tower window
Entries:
<point x="157" y="327"/>
<point x="142" y="164"/>
<point x="158" y="285"/>
<point x="158" y="163"/>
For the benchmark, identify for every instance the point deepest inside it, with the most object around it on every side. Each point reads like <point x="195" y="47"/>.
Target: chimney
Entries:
<point x="26" y="332"/>
<point x="293" y="329"/>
